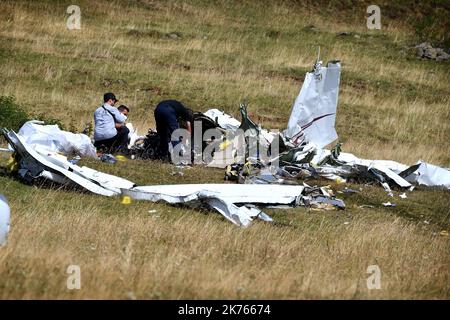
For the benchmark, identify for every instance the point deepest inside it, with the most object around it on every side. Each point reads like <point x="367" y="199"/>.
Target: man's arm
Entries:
<point x="119" y="117"/>
<point x="189" y="127"/>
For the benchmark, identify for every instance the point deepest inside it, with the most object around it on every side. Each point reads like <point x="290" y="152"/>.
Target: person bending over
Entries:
<point x="169" y="114"/>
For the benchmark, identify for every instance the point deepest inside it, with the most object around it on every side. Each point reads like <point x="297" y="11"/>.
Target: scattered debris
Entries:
<point x="444" y="233"/>
<point x="233" y="201"/>
<point x="74" y="160"/>
<point x="388" y="204"/>
<point x="348" y="190"/>
<point x="40" y="152"/>
<point x="403" y="196"/>
<point x="108" y="158"/>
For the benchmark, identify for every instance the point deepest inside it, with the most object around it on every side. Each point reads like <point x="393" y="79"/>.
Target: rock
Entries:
<point x="121" y="82"/>
<point x="426" y="51"/>
<point x="106" y="82"/>
<point x="174" y="35"/>
<point x="443" y="56"/>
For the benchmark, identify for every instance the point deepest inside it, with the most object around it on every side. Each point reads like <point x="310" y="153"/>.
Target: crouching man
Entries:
<point x="110" y="132"/>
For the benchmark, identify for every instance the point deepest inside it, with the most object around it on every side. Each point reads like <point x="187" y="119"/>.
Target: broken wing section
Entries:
<point x="314" y="112"/>
<point x="234" y="202"/>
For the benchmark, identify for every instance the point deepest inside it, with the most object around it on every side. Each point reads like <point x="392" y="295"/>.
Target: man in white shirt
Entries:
<point x="110" y="132"/>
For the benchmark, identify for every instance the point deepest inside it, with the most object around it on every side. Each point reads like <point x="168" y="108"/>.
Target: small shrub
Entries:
<point x="48" y="120"/>
<point x="12" y="115"/>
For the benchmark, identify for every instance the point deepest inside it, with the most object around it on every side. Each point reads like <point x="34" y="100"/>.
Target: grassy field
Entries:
<point x="391" y="106"/>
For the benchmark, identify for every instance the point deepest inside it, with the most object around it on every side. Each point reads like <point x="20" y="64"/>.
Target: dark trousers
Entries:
<point x="166" y="124"/>
<point x="116" y="143"/>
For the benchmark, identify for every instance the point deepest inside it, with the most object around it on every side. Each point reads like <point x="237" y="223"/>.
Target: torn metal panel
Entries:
<point x="329" y="201"/>
<point x="107" y="181"/>
<point x="430" y="175"/>
<point x="4" y="220"/>
<point x="241" y="216"/>
<point x="227" y="197"/>
<point x="314" y="110"/>
<point x="233" y="193"/>
<point x="391" y="175"/>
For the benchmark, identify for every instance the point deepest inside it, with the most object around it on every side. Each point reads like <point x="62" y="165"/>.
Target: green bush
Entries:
<point x="48" y="120"/>
<point x="12" y="115"/>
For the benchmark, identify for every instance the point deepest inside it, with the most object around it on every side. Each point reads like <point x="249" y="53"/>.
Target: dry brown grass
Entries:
<point x="131" y="253"/>
<point x="391" y="107"/>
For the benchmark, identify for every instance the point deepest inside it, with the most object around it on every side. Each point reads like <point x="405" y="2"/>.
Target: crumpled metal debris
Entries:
<point x="389" y="204"/>
<point x="238" y="203"/>
<point x="310" y="128"/>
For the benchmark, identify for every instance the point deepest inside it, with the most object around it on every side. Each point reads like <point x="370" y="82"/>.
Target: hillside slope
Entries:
<point x="391" y="106"/>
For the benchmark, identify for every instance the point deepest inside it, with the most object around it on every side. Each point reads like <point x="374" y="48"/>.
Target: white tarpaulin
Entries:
<point x="225" y="198"/>
<point x="54" y="139"/>
<point x="38" y="162"/>
<point x="4" y="220"/>
<point x="314" y="110"/>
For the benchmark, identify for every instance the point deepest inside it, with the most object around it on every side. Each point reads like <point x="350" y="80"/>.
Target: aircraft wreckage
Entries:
<point x="273" y="180"/>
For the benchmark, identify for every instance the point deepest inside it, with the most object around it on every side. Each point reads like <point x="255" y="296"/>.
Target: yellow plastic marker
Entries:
<point x="12" y="165"/>
<point x="126" y="200"/>
<point x="121" y="158"/>
<point x="224" y="145"/>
